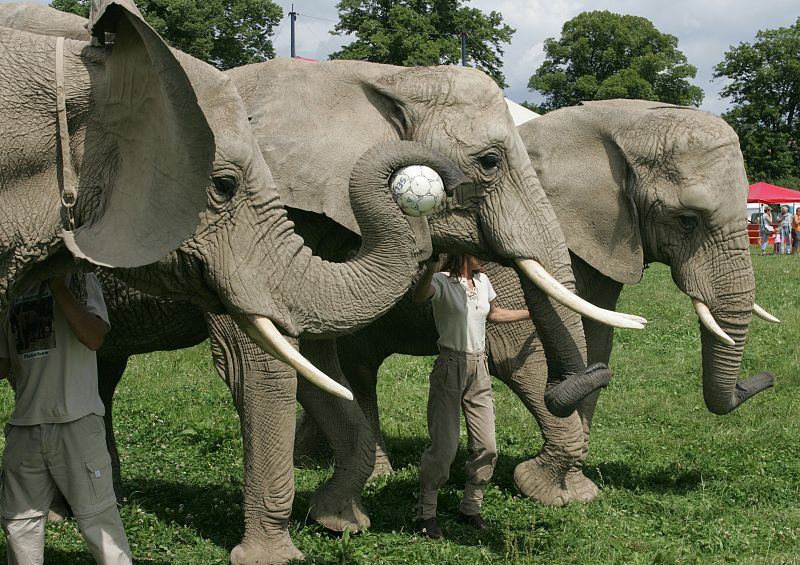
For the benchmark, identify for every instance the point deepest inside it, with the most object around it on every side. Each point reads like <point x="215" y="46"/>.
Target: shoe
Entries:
<point x="429" y="528"/>
<point x="474" y="520"/>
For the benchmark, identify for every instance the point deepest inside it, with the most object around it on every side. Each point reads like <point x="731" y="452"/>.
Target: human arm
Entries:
<point x="89" y="328"/>
<point x="498" y="315"/>
<point x="424" y="289"/>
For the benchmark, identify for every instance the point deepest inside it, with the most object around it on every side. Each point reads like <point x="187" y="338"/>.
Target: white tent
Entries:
<point x="519" y="113"/>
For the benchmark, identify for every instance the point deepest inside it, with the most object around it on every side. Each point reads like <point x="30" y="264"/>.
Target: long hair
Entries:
<point x="454" y="264"/>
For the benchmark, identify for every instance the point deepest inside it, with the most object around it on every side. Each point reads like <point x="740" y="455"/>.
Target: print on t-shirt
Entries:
<point x="32" y="325"/>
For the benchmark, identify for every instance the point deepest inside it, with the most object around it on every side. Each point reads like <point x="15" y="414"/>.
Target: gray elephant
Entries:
<point x="458" y="111"/>
<point x="655" y="183"/>
<point x="139" y="159"/>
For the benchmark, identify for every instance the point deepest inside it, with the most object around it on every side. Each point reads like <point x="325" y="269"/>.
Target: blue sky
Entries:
<point x="705" y="30"/>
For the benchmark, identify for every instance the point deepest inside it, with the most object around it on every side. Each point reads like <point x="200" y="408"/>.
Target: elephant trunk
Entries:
<point x="331" y="298"/>
<point x="526" y="227"/>
<point x="721" y="391"/>
<point x="723" y="332"/>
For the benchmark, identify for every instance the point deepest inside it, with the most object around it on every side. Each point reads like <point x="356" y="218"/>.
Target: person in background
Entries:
<point x="796" y="230"/>
<point x="55" y="437"/>
<point x="785" y="221"/>
<point x="777" y="243"/>
<point x="463" y="300"/>
<point x="765" y="228"/>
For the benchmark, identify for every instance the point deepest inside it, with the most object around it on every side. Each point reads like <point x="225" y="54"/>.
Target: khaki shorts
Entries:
<point x="71" y="456"/>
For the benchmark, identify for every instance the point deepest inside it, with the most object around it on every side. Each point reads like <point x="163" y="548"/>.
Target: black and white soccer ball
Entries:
<point x="417" y="189"/>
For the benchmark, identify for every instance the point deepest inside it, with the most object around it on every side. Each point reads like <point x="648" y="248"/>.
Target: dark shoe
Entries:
<point x="474" y="520"/>
<point x="429" y="528"/>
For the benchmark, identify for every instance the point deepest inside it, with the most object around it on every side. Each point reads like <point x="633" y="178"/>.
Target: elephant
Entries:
<point x="502" y="213"/>
<point x="633" y="182"/>
<point x="125" y="156"/>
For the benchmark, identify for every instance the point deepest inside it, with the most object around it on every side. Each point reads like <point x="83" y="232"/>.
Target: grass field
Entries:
<point x="678" y="485"/>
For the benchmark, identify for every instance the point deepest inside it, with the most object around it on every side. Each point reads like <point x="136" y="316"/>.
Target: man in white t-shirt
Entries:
<point x="55" y="437"/>
<point x="463" y="300"/>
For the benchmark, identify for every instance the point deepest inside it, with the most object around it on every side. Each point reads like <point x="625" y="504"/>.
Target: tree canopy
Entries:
<point x="224" y="33"/>
<point x="764" y="86"/>
<point x="603" y="55"/>
<point x="422" y="32"/>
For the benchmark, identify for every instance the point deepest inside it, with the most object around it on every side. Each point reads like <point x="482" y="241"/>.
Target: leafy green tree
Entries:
<point x="422" y="32"/>
<point x="764" y="86"/>
<point x="603" y="55"/>
<point x="224" y="33"/>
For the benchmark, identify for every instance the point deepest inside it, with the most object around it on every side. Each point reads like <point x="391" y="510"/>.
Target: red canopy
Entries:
<point x="765" y="193"/>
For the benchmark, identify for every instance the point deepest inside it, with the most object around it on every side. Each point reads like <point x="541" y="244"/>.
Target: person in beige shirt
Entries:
<point x="55" y="438"/>
<point x="463" y="300"/>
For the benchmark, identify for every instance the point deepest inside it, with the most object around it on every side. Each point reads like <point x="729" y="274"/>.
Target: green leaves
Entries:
<point x="224" y="33"/>
<point x="422" y="32"/>
<point x="764" y="85"/>
<point x="602" y="55"/>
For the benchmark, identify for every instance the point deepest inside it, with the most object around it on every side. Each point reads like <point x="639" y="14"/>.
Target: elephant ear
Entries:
<point x="313" y="120"/>
<point x="586" y="176"/>
<point x="164" y="147"/>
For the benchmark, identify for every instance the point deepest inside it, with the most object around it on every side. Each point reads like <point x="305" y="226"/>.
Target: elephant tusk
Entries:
<point x="264" y="333"/>
<point x="764" y="315"/>
<point x="710" y="323"/>
<point x="554" y="289"/>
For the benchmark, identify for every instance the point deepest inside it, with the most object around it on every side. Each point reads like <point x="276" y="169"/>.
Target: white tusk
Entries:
<point x="710" y="323"/>
<point x="555" y="290"/>
<point x="764" y="315"/>
<point x="264" y="333"/>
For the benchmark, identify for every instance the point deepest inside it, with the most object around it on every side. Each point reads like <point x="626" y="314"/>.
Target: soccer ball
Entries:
<point x="417" y="189"/>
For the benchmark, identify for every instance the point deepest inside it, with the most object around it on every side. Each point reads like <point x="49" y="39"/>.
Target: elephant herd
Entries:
<point x="251" y="207"/>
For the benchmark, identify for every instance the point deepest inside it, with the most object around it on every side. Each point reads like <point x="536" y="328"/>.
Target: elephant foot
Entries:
<point x="338" y="513"/>
<point x="383" y="467"/>
<point x="580" y="487"/>
<point x="563" y="398"/>
<point x="276" y="552"/>
<point x="538" y="480"/>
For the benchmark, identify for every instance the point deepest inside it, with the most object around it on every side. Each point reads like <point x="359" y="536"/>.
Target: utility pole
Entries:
<point x="463" y="48"/>
<point x="292" y="18"/>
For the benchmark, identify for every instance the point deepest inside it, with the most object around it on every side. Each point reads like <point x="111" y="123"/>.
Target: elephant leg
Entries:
<point x="360" y="362"/>
<point x="311" y="448"/>
<point x="337" y="503"/>
<point x="553" y="477"/>
<point x="109" y="374"/>
<point x="264" y="391"/>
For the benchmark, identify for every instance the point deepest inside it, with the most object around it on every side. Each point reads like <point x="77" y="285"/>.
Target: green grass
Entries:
<point x="678" y="485"/>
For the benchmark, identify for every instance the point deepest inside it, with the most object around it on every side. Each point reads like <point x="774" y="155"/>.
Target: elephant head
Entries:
<point x="655" y="182"/>
<point x="313" y="118"/>
<point x="173" y="191"/>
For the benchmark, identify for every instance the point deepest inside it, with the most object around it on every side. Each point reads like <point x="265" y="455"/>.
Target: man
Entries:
<point x="55" y="437"/>
<point x="463" y="299"/>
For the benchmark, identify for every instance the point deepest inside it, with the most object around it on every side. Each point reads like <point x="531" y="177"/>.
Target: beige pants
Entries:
<point x="458" y="378"/>
<point x="73" y="457"/>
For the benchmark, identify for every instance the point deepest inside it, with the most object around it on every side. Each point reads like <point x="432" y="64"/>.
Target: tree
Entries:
<point x="224" y="33"/>
<point x="422" y="32"/>
<point x="603" y="55"/>
<point x="764" y="86"/>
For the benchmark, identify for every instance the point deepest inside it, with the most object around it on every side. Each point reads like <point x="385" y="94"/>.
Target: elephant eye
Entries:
<point x="225" y="185"/>
<point x="689" y="222"/>
<point x="489" y="162"/>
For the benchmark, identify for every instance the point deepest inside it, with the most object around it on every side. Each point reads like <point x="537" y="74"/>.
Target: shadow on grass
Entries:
<point x="61" y="557"/>
<point x="213" y="511"/>
<point x="668" y="479"/>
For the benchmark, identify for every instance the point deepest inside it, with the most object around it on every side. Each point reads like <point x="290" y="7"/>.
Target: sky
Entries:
<point x="705" y="29"/>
